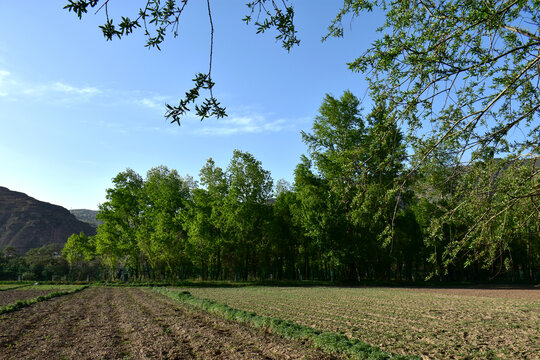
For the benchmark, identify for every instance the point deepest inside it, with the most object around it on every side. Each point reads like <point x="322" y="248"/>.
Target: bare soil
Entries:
<point x="500" y="292"/>
<point x="10" y="296"/>
<point x="133" y="323"/>
<point x="477" y="323"/>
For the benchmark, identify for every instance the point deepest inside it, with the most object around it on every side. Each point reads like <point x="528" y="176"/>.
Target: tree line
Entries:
<point x="355" y="212"/>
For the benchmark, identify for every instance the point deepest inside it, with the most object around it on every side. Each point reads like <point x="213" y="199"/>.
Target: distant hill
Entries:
<point x="27" y="223"/>
<point x="87" y="216"/>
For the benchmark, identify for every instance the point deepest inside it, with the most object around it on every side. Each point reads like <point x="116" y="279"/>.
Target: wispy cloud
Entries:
<point x="59" y="92"/>
<point x="5" y="82"/>
<point x="241" y="121"/>
<point x="243" y="124"/>
<point x="56" y="93"/>
<point x="156" y="102"/>
<point x="16" y="88"/>
<point x="61" y="87"/>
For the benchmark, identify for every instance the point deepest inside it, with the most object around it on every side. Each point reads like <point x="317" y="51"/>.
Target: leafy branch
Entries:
<point x="280" y="18"/>
<point x="162" y="18"/>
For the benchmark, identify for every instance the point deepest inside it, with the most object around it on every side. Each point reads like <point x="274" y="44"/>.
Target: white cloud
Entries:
<point x="59" y="92"/>
<point x="58" y="86"/>
<point x="244" y="121"/>
<point x="246" y="124"/>
<point x="17" y="88"/>
<point x="153" y="102"/>
<point x="5" y="83"/>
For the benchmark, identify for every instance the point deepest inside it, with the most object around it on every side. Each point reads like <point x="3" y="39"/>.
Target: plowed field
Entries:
<point x="10" y="296"/>
<point x="431" y="323"/>
<point x="133" y="323"/>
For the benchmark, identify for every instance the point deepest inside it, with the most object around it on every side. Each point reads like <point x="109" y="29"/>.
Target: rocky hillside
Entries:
<point x="27" y="223"/>
<point x="87" y="216"/>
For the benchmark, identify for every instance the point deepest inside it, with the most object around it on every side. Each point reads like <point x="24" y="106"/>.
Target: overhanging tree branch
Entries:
<point x="161" y="18"/>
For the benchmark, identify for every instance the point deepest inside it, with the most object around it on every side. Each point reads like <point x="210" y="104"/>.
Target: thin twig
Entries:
<point x="211" y="47"/>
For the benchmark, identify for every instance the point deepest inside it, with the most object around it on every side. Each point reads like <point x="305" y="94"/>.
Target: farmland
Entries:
<point x="10" y="294"/>
<point x="134" y="323"/>
<point x="141" y="323"/>
<point x="432" y="323"/>
<point x="10" y="286"/>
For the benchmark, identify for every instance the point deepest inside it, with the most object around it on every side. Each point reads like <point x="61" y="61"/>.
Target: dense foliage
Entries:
<point x="462" y="77"/>
<point x="44" y="263"/>
<point x="349" y="216"/>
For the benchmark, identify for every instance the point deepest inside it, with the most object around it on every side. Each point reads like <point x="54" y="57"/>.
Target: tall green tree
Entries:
<point x="212" y="222"/>
<point x="285" y="235"/>
<point x="203" y="235"/>
<point x="381" y="196"/>
<point x="160" y="236"/>
<point x="78" y="251"/>
<point x="319" y="244"/>
<point x="116" y="240"/>
<point x="78" y="248"/>
<point x="335" y="147"/>
<point x="246" y="208"/>
<point x="361" y="164"/>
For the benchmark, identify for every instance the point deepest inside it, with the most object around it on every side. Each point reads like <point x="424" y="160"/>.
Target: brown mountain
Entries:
<point x="87" y="216"/>
<point x="27" y="223"/>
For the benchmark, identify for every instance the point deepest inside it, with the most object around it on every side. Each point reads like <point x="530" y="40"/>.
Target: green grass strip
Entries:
<point x="328" y="341"/>
<point x="15" y="287"/>
<point x="19" y="304"/>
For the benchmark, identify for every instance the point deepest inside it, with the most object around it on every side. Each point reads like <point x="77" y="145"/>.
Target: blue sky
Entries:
<point x="75" y="109"/>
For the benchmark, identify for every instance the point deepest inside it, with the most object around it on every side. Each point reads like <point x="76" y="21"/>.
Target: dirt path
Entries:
<point x="132" y="323"/>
